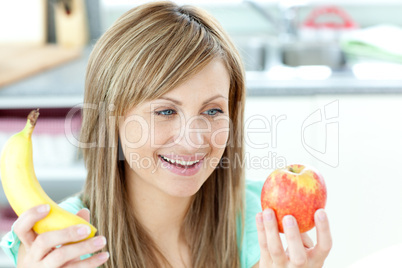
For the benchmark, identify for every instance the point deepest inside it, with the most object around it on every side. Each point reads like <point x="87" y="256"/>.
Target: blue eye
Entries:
<point x="171" y="112"/>
<point x="213" y="112"/>
<point x="166" y="113"/>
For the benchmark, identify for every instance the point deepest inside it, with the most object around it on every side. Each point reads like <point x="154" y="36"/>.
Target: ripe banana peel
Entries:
<point x="21" y="186"/>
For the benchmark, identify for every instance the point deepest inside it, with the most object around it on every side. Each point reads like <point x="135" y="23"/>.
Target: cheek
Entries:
<point x="219" y="135"/>
<point x="133" y="132"/>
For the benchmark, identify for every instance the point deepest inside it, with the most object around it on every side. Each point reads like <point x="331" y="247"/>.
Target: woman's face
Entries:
<point x="190" y="123"/>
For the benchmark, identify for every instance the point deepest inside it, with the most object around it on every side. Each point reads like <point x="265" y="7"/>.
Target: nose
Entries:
<point x="193" y="133"/>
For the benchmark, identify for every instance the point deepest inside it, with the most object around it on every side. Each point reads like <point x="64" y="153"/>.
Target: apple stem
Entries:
<point x="291" y="170"/>
<point x="295" y="168"/>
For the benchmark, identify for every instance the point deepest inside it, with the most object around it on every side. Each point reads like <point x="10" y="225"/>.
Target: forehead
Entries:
<point x="211" y="80"/>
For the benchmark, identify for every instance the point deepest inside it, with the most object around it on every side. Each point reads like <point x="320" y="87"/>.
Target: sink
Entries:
<point x="309" y="53"/>
<point x="260" y="53"/>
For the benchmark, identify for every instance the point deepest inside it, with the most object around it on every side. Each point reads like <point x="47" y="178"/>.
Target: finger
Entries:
<point x="297" y="252"/>
<point x="25" y="222"/>
<point x="72" y="252"/>
<point x="84" y="213"/>
<point x="324" y="239"/>
<point x="262" y="240"/>
<point x="274" y="242"/>
<point x="307" y="241"/>
<point x="94" y="261"/>
<point x="44" y="243"/>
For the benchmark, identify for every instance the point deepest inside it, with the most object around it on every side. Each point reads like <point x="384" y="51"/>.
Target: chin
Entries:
<point x="183" y="187"/>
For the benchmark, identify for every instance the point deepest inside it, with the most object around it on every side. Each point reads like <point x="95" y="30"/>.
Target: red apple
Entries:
<point x="296" y="190"/>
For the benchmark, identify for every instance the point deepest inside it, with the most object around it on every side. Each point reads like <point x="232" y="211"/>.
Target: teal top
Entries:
<point x="249" y="249"/>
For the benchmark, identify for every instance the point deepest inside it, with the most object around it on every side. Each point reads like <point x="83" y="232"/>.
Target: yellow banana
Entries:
<point x="21" y="186"/>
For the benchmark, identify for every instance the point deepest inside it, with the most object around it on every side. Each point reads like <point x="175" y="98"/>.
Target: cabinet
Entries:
<point x="273" y="133"/>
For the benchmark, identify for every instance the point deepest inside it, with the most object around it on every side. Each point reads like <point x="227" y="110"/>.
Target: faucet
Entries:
<point x="286" y="26"/>
<point x="264" y="13"/>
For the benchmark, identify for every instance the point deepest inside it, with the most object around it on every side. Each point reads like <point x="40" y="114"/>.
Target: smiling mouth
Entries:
<point x="178" y="163"/>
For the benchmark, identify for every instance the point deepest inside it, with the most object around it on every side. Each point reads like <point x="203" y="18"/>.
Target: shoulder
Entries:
<point x="253" y="190"/>
<point x="252" y="203"/>
<point x="250" y="250"/>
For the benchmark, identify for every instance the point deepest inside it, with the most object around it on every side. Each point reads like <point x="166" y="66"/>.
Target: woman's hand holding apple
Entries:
<point x="300" y="253"/>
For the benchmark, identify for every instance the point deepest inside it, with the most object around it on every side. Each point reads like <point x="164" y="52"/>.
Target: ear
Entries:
<point x="84" y="213"/>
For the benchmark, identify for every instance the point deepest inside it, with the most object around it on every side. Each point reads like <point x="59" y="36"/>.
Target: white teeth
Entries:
<point x="183" y="163"/>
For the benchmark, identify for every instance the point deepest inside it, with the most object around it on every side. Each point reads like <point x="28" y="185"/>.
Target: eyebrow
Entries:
<point x="205" y="102"/>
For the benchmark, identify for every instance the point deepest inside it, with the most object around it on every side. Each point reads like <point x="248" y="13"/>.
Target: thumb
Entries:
<point x="84" y="213"/>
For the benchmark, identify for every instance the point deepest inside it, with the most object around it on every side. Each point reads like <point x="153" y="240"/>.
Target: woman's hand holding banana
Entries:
<point x="44" y="250"/>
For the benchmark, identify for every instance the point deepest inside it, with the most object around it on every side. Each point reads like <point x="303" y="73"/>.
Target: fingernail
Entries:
<point x="83" y="230"/>
<point x="289" y="221"/>
<point x="259" y="218"/>
<point x="43" y="208"/>
<point x="268" y="215"/>
<point x="103" y="256"/>
<point x="100" y="241"/>
<point x="321" y="215"/>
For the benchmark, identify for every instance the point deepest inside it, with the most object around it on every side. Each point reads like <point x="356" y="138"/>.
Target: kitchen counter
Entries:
<point x="64" y="80"/>
<point x="344" y="82"/>
<point x="64" y="85"/>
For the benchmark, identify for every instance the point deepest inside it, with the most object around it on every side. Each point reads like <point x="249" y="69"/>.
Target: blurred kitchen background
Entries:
<point x="324" y="84"/>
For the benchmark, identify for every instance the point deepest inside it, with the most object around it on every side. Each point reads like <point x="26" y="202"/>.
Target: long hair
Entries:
<point x="148" y="51"/>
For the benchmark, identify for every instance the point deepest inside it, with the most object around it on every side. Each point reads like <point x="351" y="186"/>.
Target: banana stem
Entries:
<point x="31" y="122"/>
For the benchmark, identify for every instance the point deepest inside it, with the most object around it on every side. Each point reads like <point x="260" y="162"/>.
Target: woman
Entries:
<point x="162" y="138"/>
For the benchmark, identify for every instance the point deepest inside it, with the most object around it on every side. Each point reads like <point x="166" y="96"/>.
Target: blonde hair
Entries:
<point x="148" y="51"/>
